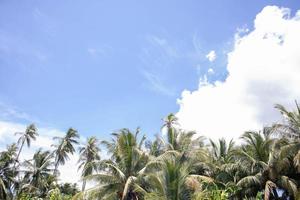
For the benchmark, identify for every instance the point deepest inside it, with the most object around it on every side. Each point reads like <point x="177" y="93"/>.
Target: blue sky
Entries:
<point x="103" y="65"/>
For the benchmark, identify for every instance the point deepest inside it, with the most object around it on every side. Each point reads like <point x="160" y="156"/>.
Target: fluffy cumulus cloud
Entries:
<point x="69" y="171"/>
<point x="211" y="56"/>
<point x="264" y="69"/>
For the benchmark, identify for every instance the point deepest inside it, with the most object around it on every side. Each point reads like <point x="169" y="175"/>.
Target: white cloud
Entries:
<point x="157" y="84"/>
<point x="162" y="43"/>
<point x="211" y="56"/>
<point x="69" y="171"/>
<point x="158" y="58"/>
<point x="264" y="69"/>
<point x="10" y="112"/>
<point x="210" y="71"/>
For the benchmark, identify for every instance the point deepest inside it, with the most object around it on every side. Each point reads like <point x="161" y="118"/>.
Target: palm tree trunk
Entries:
<point x="55" y="169"/>
<point x="14" y="168"/>
<point x="171" y="137"/>
<point x="17" y="158"/>
<point x="83" y="185"/>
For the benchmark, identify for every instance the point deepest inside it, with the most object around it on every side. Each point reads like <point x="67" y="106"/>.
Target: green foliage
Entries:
<point x="212" y="190"/>
<point x="25" y="196"/>
<point x="174" y="166"/>
<point x="55" y="194"/>
<point x="68" y="189"/>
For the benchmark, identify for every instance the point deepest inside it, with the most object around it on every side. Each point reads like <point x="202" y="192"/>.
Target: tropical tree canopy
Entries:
<point x="174" y="165"/>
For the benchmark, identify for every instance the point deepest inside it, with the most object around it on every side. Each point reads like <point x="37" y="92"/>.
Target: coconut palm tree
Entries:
<point x="256" y="149"/>
<point x="29" y="134"/>
<point x="118" y="175"/>
<point x="7" y="175"/>
<point x="65" y="147"/>
<point x="170" y="124"/>
<point x="37" y="172"/>
<point x="170" y="121"/>
<point x="89" y="154"/>
<point x="170" y="177"/>
<point x="178" y="139"/>
<point x="258" y="144"/>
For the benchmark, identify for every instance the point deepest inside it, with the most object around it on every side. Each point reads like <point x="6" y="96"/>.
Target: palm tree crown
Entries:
<point x="64" y="147"/>
<point x="29" y="134"/>
<point x="89" y="154"/>
<point x="117" y="176"/>
<point x="37" y="172"/>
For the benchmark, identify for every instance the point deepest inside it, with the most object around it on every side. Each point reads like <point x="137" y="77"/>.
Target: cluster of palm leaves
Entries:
<point x="178" y="165"/>
<point x="35" y="178"/>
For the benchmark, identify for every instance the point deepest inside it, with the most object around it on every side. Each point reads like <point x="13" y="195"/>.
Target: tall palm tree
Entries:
<point x="256" y="149"/>
<point x="258" y="144"/>
<point x="118" y="175"/>
<point x="89" y="155"/>
<point x="37" y="172"/>
<point x="170" y="177"/>
<point x="170" y="124"/>
<point x="29" y="134"/>
<point x="64" y="147"/>
<point x="7" y="175"/>
<point x="178" y="139"/>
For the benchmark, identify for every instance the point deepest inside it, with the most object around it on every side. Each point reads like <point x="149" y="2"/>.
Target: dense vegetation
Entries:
<point x="177" y="165"/>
